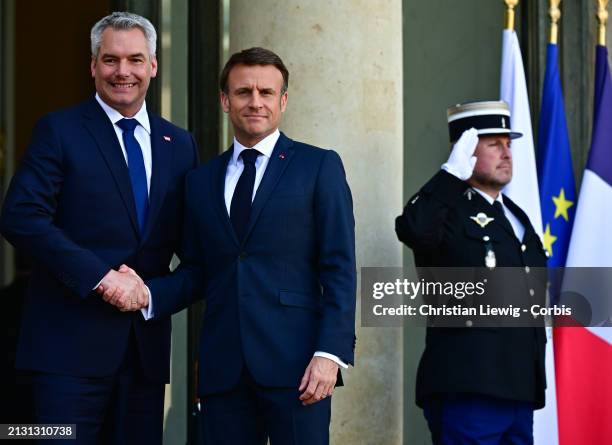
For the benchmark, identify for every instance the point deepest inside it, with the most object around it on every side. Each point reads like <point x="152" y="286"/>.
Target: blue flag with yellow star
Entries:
<point x="555" y="174"/>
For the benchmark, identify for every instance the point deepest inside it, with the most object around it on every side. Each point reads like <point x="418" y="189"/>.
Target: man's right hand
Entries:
<point x="461" y="161"/>
<point x="124" y="289"/>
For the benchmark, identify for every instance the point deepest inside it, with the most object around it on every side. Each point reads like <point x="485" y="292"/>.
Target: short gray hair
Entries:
<point x="124" y="21"/>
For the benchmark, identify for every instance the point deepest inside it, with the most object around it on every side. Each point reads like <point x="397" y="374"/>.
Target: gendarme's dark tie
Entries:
<point x="240" y="209"/>
<point x="136" y="167"/>
<point x="503" y="219"/>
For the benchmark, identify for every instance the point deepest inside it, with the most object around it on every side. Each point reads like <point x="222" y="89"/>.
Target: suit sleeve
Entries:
<point x="28" y="215"/>
<point x="421" y="225"/>
<point x="335" y="225"/>
<point x="179" y="289"/>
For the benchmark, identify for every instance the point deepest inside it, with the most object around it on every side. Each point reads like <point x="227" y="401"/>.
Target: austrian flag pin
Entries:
<point x="167" y="138"/>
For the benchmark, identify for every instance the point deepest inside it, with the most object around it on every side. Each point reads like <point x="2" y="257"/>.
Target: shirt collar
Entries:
<point x="265" y="146"/>
<point x="142" y="117"/>
<point x="489" y="199"/>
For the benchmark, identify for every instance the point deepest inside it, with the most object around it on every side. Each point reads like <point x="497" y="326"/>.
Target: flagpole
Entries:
<point x="555" y="14"/>
<point x="510" y="4"/>
<point x="602" y="18"/>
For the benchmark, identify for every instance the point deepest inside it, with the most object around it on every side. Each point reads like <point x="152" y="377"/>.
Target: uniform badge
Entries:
<point x="481" y="219"/>
<point x="490" y="260"/>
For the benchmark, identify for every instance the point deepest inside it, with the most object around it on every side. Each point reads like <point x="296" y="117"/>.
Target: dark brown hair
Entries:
<point x="254" y="56"/>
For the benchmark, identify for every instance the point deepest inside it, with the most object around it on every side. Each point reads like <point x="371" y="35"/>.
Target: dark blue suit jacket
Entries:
<point x="70" y="207"/>
<point x="288" y="289"/>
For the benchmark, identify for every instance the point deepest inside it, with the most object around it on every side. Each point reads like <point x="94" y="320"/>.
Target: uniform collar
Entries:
<point x="488" y="197"/>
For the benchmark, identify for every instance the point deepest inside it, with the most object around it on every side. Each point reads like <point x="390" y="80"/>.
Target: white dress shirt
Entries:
<point x="235" y="166"/>
<point x="517" y="226"/>
<point x="142" y="133"/>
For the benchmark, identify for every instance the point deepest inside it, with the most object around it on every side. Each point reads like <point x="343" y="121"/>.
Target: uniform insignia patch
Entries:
<point x="481" y="219"/>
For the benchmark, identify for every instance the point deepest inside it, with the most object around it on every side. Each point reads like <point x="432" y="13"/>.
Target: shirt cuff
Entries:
<point x="147" y="312"/>
<point x="99" y="283"/>
<point x="332" y="357"/>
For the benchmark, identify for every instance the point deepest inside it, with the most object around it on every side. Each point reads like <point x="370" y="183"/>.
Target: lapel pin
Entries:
<point x="281" y="156"/>
<point x="481" y="219"/>
<point x="167" y="138"/>
<point x="469" y="193"/>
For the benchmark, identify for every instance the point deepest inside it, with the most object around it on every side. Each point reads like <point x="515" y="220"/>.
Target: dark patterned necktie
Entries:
<point x="240" y="209"/>
<point x="501" y="217"/>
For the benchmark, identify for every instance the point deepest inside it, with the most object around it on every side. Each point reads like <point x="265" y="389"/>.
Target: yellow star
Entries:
<point x="549" y="239"/>
<point x="561" y="205"/>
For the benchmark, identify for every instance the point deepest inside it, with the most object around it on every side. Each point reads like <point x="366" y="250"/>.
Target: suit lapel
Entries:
<point x="161" y="155"/>
<point x="103" y="133"/>
<point x="279" y="160"/>
<point x="219" y="192"/>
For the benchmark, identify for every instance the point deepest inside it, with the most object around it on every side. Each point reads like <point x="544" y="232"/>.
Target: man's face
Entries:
<point x="123" y="69"/>
<point x="493" y="168"/>
<point x="254" y="101"/>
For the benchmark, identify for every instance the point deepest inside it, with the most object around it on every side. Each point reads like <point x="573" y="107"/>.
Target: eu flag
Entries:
<point x="555" y="174"/>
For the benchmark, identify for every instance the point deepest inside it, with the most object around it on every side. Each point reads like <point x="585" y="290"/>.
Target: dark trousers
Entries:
<point x="249" y="414"/>
<point x="121" y="409"/>
<point x="479" y="420"/>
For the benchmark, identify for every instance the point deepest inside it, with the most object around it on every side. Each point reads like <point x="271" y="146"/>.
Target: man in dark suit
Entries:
<point x="269" y="244"/>
<point x="101" y="185"/>
<point x="478" y="384"/>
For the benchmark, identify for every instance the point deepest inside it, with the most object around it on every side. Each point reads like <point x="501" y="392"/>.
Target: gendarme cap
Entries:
<point x="490" y="117"/>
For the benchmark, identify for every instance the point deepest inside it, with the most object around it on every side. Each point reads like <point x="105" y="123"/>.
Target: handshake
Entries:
<point x="124" y="289"/>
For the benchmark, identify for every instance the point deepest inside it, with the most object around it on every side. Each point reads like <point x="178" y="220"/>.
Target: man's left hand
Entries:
<point x="319" y="380"/>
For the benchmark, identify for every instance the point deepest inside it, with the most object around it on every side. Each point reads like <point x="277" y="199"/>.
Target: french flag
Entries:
<point x="583" y="355"/>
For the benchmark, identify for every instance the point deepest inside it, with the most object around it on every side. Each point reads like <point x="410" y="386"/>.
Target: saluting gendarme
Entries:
<point x="474" y="382"/>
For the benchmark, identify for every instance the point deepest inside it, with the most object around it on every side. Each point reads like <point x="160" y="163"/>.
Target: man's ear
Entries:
<point x="225" y="103"/>
<point x="283" y="101"/>
<point x="153" y="66"/>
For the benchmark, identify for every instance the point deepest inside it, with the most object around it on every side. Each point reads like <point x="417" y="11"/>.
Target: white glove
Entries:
<point x="461" y="161"/>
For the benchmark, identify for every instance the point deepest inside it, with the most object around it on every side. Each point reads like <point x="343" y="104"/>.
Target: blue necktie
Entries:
<point x="240" y="209"/>
<point x="136" y="167"/>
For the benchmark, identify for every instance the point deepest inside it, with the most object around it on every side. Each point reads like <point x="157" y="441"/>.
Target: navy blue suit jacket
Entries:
<point x="288" y="289"/>
<point x="70" y="207"/>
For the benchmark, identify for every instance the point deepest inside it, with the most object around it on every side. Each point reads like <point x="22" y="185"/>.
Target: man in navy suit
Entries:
<point x="269" y="243"/>
<point x="101" y="185"/>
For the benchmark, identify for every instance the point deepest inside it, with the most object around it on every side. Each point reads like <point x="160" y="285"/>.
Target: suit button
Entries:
<point x="469" y="323"/>
<point x="242" y="255"/>
<point x="523" y="247"/>
<point x="531" y="292"/>
<point x="527" y="269"/>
